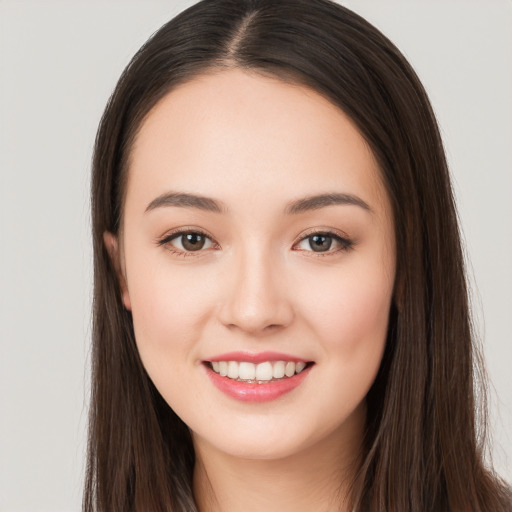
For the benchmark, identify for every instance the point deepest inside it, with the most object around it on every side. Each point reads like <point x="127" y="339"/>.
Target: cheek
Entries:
<point x="168" y="317"/>
<point x="169" y="310"/>
<point x="352" y="308"/>
<point x="349" y="316"/>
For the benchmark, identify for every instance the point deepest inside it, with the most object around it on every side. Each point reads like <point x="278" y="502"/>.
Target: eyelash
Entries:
<point x="345" y="243"/>
<point x="165" y="242"/>
<point x="342" y="239"/>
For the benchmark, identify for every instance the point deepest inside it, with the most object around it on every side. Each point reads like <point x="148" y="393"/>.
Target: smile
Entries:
<point x="259" y="377"/>
<point x="265" y="372"/>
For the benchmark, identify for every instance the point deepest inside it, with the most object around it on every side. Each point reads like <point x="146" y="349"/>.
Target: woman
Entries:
<point x="280" y="316"/>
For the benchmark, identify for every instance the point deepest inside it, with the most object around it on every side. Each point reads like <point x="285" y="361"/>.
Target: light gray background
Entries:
<point x="59" y="61"/>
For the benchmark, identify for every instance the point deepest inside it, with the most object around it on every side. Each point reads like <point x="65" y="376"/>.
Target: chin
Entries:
<point x="271" y="440"/>
<point x="254" y="449"/>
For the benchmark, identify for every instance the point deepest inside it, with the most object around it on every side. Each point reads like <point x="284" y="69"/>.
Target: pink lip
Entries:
<point x="252" y="391"/>
<point x="261" y="357"/>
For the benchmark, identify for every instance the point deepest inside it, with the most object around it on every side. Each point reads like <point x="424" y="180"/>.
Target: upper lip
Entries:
<point x="259" y="357"/>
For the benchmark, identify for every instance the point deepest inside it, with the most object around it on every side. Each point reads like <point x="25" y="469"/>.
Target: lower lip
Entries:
<point x="254" y="392"/>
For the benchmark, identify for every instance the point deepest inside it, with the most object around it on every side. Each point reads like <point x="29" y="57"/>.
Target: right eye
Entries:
<point x="185" y="242"/>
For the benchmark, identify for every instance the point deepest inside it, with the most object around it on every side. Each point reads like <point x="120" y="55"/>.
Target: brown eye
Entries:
<point x="193" y="241"/>
<point x="187" y="241"/>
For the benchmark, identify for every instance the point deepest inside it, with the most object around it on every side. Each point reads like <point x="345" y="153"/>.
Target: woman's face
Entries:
<point x="257" y="240"/>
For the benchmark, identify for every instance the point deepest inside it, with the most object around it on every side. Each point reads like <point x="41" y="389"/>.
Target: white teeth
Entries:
<point x="299" y="367"/>
<point x="223" y="368"/>
<point x="262" y="372"/>
<point x="289" y="370"/>
<point x="232" y="370"/>
<point x="278" y="372"/>
<point x="247" y="371"/>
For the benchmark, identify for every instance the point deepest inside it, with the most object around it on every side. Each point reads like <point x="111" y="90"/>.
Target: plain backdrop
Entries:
<point x="59" y="61"/>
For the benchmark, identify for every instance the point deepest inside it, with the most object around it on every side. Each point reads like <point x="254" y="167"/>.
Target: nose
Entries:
<point x="256" y="300"/>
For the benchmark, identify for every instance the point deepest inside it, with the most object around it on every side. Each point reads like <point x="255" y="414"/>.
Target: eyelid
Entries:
<point x="346" y="242"/>
<point x="342" y="238"/>
<point x="165" y="240"/>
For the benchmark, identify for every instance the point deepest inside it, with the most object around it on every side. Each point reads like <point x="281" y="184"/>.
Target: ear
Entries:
<point x="112" y="245"/>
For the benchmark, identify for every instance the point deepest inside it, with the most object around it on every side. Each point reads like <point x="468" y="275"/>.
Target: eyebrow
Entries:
<point x="322" y="200"/>
<point x="184" y="200"/>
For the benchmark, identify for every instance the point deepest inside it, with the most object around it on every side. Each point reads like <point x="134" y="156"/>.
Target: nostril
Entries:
<point x="273" y="327"/>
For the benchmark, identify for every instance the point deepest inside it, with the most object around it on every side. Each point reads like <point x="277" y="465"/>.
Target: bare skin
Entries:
<point x="269" y="270"/>
<point x="316" y="479"/>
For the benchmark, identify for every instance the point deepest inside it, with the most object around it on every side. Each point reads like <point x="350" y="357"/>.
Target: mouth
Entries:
<point x="264" y="378"/>
<point x="259" y="373"/>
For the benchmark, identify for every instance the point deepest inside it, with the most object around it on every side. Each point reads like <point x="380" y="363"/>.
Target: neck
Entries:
<point x="316" y="478"/>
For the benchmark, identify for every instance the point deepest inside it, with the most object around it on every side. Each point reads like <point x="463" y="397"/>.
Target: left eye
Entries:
<point x="322" y="242"/>
<point x="190" y="241"/>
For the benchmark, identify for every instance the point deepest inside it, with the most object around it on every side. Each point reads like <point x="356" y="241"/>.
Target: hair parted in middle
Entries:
<point x="422" y="448"/>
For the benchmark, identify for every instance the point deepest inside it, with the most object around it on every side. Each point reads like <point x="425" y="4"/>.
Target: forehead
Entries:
<point x="234" y="134"/>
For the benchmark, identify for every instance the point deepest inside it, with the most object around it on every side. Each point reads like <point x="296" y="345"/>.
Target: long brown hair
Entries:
<point x="423" y="444"/>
